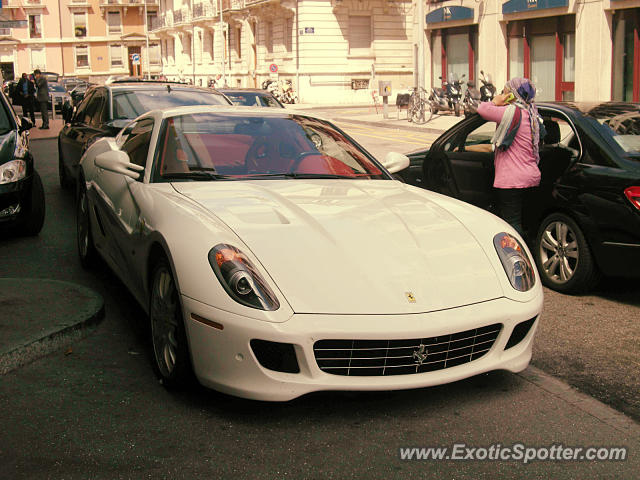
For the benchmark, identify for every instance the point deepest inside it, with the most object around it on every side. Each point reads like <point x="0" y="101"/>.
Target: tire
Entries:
<point x="66" y="182"/>
<point x="456" y="109"/>
<point x="563" y="257"/>
<point x="86" y="248"/>
<point x="32" y="217"/>
<point x="171" y="357"/>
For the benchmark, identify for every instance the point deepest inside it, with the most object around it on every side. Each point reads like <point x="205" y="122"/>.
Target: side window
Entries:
<point x="97" y="113"/>
<point x="137" y="142"/>
<point x="476" y="140"/>
<point x="560" y="135"/>
<point x="81" y="110"/>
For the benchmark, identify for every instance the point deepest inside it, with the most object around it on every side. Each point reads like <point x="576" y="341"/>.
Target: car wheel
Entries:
<point x="86" y="248"/>
<point x="32" y="217"/>
<point x="563" y="256"/>
<point x="168" y="336"/>
<point x="66" y="181"/>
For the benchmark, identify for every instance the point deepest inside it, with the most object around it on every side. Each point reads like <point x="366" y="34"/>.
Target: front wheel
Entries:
<point x="456" y="109"/>
<point x="32" y="217"/>
<point x="168" y="336"/>
<point x="86" y="248"/>
<point x="563" y="256"/>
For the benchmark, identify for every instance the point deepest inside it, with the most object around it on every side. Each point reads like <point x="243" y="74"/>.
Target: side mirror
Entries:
<point x="25" y="124"/>
<point x="395" y="162"/>
<point x="67" y="111"/>
<point x="117" y="161"/>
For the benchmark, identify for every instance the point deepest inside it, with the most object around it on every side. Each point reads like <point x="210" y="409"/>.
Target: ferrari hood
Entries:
<point x="353" y="247"/>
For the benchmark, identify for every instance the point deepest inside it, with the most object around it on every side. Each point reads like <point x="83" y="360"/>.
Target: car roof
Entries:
<point x="593" y="109"/>
<point x="228" y="109"/>
<point x="240" y="90"/>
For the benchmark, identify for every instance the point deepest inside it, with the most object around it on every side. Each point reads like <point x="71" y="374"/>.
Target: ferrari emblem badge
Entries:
<point x="410" y="297"/>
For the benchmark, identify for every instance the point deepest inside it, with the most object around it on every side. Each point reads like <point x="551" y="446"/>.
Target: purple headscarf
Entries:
<point x="525" y="92"/>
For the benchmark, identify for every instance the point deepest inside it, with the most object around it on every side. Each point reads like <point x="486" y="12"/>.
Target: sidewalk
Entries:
<point x="39" y="316"/>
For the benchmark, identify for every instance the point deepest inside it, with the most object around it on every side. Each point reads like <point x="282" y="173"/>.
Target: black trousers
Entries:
<point x="28" y="109"/>
<point x="510" y="203"/>
<point x="44" y="111"/>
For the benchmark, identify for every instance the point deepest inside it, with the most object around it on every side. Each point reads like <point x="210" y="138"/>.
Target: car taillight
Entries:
<point x="633" y="194"/>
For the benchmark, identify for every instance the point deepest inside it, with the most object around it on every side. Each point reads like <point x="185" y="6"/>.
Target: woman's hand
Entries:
<point x="500" y="100"/>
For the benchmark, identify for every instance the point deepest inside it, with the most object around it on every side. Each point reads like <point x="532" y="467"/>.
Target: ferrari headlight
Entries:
<point x="241" y="279"/>
<point x="13" y="171"/>
<point x="515" y="261"/>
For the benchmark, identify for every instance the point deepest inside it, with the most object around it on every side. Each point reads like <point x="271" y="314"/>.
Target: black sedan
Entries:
<point x="584" y="219"/>
<point x="21" y="192"/>
<point x="106" y="109"/>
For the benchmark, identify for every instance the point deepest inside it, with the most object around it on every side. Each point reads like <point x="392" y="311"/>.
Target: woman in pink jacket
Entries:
<point x="516" y="154"/>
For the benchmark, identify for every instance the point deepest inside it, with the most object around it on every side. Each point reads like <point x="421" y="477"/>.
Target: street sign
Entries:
<point x="273" y="68"/>
<point x="135" y="58"/>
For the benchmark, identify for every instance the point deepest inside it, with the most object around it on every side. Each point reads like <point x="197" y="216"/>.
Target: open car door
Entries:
<point x="461" y="164"/>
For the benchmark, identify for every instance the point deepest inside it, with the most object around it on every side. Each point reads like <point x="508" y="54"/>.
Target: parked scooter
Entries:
<point x="473" y="96"/>
<point x="448" y="98"/>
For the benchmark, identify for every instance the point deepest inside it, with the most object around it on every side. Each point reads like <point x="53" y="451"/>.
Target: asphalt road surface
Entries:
<point x="95" y="409"/>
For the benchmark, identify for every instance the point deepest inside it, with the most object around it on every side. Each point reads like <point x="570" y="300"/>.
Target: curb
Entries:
<point x="383" y="125"/>
<point x="33" y="333"/>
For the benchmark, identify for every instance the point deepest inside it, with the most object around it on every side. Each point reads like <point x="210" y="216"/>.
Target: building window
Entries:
<point x="152" y="20"/>
<point x="114" y="23"/>
<point x="116" y="56"/>
<point x="516" y="57"/>
<point x="172" y="50"/>
<point x="626" y="55"/>
<point x="38" y="59"/>
<point x="436" y="60"/>
<point x="35" y="29"/>
<point x="207" y="47"/>
<point x="288" y="34"/>
<point x="454" y="55"/>
<point x="82" y="57"/>
<point x="239" y="42"/>
<point x="268" y="37"/>
<point x="80" y="24"/>
<point x="186" y="47"/>
<point x="155" y="57"/>
<point x="359" y="35"/>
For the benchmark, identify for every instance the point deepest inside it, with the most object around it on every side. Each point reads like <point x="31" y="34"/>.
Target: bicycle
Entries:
<point x="419" y="110"/>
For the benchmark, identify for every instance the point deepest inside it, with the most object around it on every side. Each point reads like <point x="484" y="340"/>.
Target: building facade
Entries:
<point x="334" y="51"/>
<point x="91" y="39"/>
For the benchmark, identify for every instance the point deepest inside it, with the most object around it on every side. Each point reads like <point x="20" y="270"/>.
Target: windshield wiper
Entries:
<point x="195" y="175"/>
<point x="295" y="175"/>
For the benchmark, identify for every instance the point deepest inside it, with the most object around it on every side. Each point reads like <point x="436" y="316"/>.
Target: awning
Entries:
<point x="515" y="6"/>
<point x="448" y="14"/>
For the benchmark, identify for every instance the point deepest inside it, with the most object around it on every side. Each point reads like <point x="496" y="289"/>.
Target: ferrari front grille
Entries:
<point x="404" y="357"/>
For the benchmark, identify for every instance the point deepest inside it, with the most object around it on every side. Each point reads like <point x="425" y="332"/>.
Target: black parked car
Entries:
<point x="252" y="97"/>
<point x="584" y="219"/>
<point x="106" y="109"/>
<point x="21" y="192"/>
<point x="78" y="92"/>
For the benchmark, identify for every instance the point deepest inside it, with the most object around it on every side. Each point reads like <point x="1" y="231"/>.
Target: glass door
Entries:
<point x="543" y="66"/>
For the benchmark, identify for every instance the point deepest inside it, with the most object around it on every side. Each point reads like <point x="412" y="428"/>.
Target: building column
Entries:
<point x="593" y="53"/>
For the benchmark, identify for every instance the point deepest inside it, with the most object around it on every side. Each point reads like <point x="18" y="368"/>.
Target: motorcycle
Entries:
<point x="473" y="96"/>
<point x="447" y="98"/>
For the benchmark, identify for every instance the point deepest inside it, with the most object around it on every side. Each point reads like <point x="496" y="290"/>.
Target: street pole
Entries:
<point x="421" y="20"/>
<point x="146" y="34"/>
<point x="193" y="47"/>
<point x="224" y="59"/>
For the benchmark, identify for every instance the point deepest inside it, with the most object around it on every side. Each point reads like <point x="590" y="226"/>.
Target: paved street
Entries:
<point x="95" y="410"/>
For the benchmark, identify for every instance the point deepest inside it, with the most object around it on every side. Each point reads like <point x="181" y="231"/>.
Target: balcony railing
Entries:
<point x="204" y="10"/>
<point x="181" y="16"/>
<point x="232" y="4"/>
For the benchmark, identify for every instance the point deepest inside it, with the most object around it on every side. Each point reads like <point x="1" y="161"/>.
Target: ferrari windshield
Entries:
<point x="210" y="146"/>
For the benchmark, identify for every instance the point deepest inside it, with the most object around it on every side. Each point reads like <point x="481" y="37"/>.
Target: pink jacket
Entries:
<point x="516" y="167"/>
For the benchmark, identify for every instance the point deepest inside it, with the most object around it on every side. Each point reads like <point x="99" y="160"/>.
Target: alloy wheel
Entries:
<point x="559" y="252"/>
<point x="164" y="321"/>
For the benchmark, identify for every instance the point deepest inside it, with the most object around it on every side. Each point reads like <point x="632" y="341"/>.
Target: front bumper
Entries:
<point x="224" y="360"/>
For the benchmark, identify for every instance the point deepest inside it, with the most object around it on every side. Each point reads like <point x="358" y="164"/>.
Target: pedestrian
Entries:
<point x="516" y="154"/>
<point x="26" y="92"/>
<point x="43" y="97"/>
